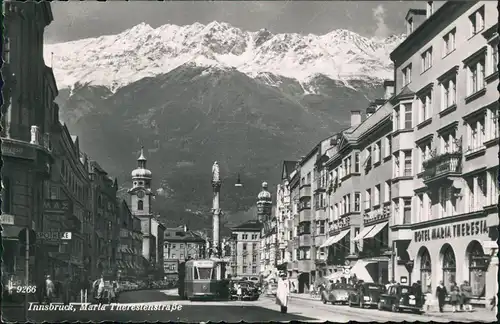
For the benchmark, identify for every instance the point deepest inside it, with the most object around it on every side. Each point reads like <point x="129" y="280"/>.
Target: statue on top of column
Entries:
<point x="215" y="172"/>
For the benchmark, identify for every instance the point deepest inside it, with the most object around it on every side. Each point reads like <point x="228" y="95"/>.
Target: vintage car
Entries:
<point x="336" y="293"/>
<point x="366" y="294"/>
<point x="249" y="290"/>
<point x="401" y="297"/>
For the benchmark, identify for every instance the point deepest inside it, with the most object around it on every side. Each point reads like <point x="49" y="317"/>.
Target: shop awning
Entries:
<point x="376" y="230"/>
<point x="359" y="269"/>
<point x="363" y="233"/>
<point x="337" y="275"/>
<point x="10" y="232"/>
<point x="328" y="242"/>
<point x="340" y="236"/>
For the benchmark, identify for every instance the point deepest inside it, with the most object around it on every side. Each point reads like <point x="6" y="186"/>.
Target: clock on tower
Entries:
<point x="140" y="194"/>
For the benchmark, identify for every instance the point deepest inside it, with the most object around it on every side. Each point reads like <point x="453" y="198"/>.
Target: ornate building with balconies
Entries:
<point x="444" y="146"/>
<point x="27" y="117"/>
<point x="284" y="214"/>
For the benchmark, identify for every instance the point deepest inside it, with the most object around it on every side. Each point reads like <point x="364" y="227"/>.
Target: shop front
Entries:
<point x="454" y="252"/>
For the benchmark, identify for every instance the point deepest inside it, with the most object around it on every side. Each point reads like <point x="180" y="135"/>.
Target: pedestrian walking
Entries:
<point x="454" y="297"/>
<point x="466" y="292"/>
<point x="49" y="289"/>
<point x="430" y="301"/>
<point x="283" y="293"/>
<point x="441" y="294"/>
<point x="239" y="291"/>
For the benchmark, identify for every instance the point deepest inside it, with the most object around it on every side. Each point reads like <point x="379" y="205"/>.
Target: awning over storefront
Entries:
<point x="10" y="232"/>
<point x="359" y="269"/>
<point x="340" y="236"/>
<point x="337" y="275"/>
<point x="376" y="229"/>
<point x="363" y="233"/>
<point x="328" y="242"/>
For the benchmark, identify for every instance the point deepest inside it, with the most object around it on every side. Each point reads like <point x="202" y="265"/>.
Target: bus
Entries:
<point x="202" y="279"/>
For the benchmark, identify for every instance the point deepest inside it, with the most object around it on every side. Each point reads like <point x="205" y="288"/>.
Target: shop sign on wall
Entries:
<point x="469" y="228"/>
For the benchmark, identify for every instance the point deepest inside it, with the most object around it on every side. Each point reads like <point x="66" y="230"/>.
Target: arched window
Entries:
<point x="140" y="205"/>
<point x="425" y="270"/>
<point x="477" y="269"/>
<point x="449" y="266"/>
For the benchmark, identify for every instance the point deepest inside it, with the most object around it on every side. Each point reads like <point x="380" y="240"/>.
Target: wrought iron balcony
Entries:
<point x="442" y="166"/>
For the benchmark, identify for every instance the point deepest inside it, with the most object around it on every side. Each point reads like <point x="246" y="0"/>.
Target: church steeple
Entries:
<point x="141" y="177"/>
<point x="141" y="161"/>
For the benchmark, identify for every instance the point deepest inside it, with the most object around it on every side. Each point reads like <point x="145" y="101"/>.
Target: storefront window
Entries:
<point x="425" y="271"/>
<point x="449" y="267"/>
<point x="477" y="269"/>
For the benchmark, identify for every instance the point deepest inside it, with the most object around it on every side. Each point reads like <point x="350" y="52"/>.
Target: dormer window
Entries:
<point x="409" y="25"/>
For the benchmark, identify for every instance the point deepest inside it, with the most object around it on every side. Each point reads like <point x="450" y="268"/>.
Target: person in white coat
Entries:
<point x="283" y="292"/>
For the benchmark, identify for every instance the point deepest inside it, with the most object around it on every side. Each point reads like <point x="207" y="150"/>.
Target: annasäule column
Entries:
<point x="216" y="184"/>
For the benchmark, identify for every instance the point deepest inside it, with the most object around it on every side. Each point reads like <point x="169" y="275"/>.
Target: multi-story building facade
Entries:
<point x="28" y="111"/>
<point x="304" y="241"/>
<point x="445" y="118"/>
<point x="245" y="256"/>
<point x="158" y="231"/>
<point x="181" y="244"/>
<point x="105" y="220"/>
<point x="360" y="172"/>
<point x="129" y="253"/>
<point x="284" y="213"/>
<point x="139" y="260"/>
<point x="66" y="207"/>
<point x="293" y="267"/>
<point x="320" y="205"/>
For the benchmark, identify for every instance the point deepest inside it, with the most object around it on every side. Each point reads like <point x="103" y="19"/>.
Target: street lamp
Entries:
<point x="238" y="182"/>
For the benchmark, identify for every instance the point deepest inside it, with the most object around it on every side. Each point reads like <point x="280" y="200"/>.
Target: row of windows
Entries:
<point x="245" y="236"/>
<point x="476" y="22"/>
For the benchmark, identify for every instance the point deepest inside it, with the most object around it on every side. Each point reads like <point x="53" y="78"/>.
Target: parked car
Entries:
<point x="337" y="293"/>
<point x="366" y="294"/>
<point x="401" y="297"/>
<point x="249" y="290"/>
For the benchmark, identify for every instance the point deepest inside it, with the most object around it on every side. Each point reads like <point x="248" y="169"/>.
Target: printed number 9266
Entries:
<point x="26" y="289"/>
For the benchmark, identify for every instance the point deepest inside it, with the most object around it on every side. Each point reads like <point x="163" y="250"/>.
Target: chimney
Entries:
<point x="430" y="9"/>
<point x="370" y="110"/>
<point x="414" y="18"/>
<point x="388" y="89"/>
<point x="355" y="118"/>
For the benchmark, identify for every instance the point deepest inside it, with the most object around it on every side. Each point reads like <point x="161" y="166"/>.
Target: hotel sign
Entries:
<point x="470" y="228"/>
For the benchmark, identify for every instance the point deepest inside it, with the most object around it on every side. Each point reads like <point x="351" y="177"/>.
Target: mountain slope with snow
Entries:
<point x="115" y="61"/>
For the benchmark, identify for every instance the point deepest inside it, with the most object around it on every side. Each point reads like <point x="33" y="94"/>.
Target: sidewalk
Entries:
<point x="477" y="315"/>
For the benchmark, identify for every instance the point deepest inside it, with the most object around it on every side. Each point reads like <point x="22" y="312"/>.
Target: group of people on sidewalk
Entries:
<point x="459" y="296"/>
<point x="72" y="290"/>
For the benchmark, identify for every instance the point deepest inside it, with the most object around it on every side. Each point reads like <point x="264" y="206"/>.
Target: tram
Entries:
<point x="203" y="279"/>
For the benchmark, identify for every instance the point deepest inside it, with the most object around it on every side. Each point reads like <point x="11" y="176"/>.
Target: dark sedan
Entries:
<point x="366" y="294"/>
<point x="249" y="290"/>
<point x="399" y="298"/>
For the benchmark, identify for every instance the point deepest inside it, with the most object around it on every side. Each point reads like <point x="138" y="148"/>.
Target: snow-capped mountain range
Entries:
<point x="115" y="61"/>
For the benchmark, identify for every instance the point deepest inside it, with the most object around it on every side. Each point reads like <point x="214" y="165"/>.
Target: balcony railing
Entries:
<point x="320" y="185"/>
<point x="447" y="164"/>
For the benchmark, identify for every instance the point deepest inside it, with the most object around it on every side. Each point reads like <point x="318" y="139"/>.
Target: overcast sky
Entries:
<point x="76" y="20"/>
